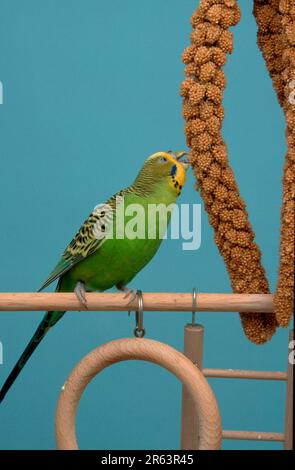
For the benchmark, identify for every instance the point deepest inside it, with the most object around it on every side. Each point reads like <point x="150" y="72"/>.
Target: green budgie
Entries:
<point x="96" y="261"/>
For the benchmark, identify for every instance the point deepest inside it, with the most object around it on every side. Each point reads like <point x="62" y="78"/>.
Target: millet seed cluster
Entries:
<point x="202" y="93"/>
<point x="276" y="39"/>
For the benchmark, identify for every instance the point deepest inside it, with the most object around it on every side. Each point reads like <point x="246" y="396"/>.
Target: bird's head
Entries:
<point x="166" y="167"/>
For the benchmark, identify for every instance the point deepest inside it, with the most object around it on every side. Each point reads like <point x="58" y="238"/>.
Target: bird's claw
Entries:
<point x="132" y="293"/>
<point x="80" y="293"/>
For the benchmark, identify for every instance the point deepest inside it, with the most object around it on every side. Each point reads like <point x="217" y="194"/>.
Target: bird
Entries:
<point x="98" y="258"/>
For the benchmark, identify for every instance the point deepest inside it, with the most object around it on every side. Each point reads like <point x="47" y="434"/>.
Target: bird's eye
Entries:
<point x="163" y="159"/>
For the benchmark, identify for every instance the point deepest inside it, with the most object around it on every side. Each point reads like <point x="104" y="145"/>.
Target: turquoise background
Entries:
<point x="90" y="90"/>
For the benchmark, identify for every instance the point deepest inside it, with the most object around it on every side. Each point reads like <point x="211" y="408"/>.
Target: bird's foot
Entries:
<point x="132" y="293"/>
<point x="80" y="293"/>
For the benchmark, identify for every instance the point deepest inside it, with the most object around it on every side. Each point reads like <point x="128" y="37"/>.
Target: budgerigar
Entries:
<point x="95" y="261"/>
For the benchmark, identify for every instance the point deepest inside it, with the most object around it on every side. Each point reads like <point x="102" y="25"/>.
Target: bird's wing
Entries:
<point x="87" y="240"/>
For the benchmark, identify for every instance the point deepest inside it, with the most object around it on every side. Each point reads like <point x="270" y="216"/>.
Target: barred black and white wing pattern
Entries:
<point x="91" y="235"/>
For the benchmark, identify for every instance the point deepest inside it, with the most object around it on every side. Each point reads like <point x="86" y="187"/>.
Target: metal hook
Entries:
<point x="139" y="330"/>
<point x="194" y="306"/>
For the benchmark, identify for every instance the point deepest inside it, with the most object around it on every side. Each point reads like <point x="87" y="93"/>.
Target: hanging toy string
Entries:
<point x="202" y="93"/>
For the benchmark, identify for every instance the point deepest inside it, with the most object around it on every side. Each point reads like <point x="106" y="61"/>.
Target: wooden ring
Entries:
<point x="138" y="349"/>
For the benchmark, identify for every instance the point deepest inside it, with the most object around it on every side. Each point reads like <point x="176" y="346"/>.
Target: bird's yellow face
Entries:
<point x="168" y="165"/>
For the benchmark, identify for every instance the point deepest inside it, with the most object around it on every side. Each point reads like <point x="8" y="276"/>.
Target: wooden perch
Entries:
<point x="152" y="301"/>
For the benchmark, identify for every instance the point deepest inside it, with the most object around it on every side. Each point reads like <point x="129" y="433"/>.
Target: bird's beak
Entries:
<point x="178" y="156"/>
<point x="185" y="165"/>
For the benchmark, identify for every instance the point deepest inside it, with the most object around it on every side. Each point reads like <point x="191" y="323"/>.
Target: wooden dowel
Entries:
<point x="253" y="436"/>
<point x="153" y="301"/>
<point x="193" y="350"/>
<point x="289" y="400"/>
<point x="245" y="374"/>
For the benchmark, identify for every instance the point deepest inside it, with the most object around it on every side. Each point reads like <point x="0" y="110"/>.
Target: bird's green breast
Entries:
<point x="118" y="260"/>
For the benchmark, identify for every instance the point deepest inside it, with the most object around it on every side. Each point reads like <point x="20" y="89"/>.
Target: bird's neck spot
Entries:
<point x="177" y="178"/>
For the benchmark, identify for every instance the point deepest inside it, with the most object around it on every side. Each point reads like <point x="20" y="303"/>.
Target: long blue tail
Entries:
<point x="50" y="319"/>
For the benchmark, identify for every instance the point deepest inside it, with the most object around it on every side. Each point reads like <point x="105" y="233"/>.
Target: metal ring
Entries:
<point x="194" y="306"/>
<point x="139" y="330"/>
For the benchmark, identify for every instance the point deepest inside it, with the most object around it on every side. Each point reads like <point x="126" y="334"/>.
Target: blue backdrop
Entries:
<point x="90" y="90"/>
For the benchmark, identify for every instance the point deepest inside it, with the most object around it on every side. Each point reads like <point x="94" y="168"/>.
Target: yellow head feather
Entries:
<point x="176" y="173"/>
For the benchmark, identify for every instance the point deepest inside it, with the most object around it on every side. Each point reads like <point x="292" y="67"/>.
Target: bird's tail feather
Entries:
<point x="48" y="321"/>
